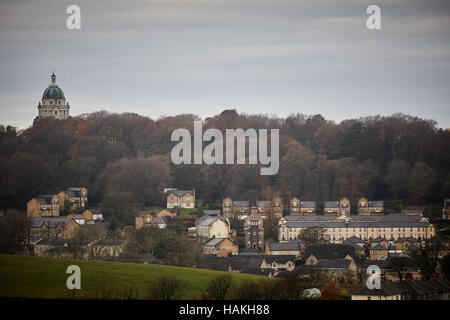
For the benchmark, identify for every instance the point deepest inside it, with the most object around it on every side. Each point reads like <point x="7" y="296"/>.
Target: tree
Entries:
<point x="313" y="235"/>
<point x="397" y="178"/>
<point x="445" y="266"/>
<point x="13" y="232"/>
<point x="219" y="286"/>
<point x="165" y="287"/>
<point x="399" y="265"/>
<point x="421" y="182"/>
<point x="331" y="291"/>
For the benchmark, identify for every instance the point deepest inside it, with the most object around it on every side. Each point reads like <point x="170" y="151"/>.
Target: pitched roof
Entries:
<point x="263" y="203"/>
<point x="180" y="193"/>
<point x="440" y="285"/>
<point x="213" y="241"/>
<point x="376" y="204"/>
<point x="211" y="212"/>
<point x="332" y="264"/>
<point x="331" y="204"/>
<point x="416" y="287"/>
<point x="329" y="251"/>
<point x="378" y="247"/>
<point x="354" y="239"/>
<point x="241" y="203"/>
<point x="159" y="220"/>
<point x="51" y="222"/>
<point x="284" y="246"/>
<point x="279" y="259"/>
<point x="410" y="239"/>
<point x="44" y="198"/>
<point x="308" y="204"/>
<point x="208" y="220"/>
<point x="387" y="288"/>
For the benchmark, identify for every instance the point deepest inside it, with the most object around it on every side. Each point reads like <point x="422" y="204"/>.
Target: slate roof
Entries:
<point x="263" y="203"/>
<point x="258" y="271"/>
<point x="213" y="241"/>
<point x="212" y="212"/>
<point x="279" y="259"/>
<point x="378" y="247"/>
<point x="52" y="222"/>
<point x="410" y="239"/>
<point x="354" y="239"/>
<point x="51" y="242"/>
<point x="388" y="288"/>
<point x="302" y="269"/>
<point x="241" y="203"/>
<point x="329" y="251"/>
<point x="208" y="220"/>
<point x="332" y="264"/>
<point x="440" y="285"/>
<point x="331" y="204"/>
<point x="307" y="204"/>
<point x="159" y="220"/>
<point x="180" y="193"/>
<point x="376" y="204"/>
<point x="416" y="287"/>
<point x="44" y="198"/>
<point x="286" y="246"/>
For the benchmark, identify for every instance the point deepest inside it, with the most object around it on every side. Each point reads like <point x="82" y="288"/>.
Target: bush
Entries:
<point x="165" y="288"/>
<point x="219" y="286"/>
<point x="331" y="291"/>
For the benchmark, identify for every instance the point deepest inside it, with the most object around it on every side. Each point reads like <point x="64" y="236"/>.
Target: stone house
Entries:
<point x="181" y="199"/>
<point x="44" y="205"/>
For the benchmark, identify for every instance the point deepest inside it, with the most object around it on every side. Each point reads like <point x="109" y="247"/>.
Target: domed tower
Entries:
<point x="53" y="103"/>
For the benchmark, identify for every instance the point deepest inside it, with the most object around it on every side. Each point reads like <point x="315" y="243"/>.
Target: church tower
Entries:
<point x="53" y="103"/>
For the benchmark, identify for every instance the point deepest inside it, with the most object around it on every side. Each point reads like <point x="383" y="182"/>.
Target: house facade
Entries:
<point x="43" y="206"/>
<point x="208" y="227"/>
<point x="78" y="196"/>
<point x="181" y="199"/>
<point x="254" y="232"/>
<point x="339" y="228"/>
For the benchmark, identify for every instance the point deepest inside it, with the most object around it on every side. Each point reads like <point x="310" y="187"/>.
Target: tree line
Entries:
<point x="124" y="160"/>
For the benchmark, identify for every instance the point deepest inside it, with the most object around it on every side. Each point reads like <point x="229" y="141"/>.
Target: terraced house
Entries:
<point x="180" y="199"/>
<point x="339" y="228"/>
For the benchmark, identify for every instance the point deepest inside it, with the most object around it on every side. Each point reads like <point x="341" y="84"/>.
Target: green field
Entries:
<point x="36" y="277"/>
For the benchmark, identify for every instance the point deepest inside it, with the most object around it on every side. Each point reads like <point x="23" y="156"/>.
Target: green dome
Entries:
<point x="53" y="92"/>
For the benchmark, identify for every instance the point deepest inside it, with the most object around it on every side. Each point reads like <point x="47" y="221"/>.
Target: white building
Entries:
<point x="53" y="103"/>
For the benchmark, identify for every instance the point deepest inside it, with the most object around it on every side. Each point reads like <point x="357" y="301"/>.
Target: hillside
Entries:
<point x="35" y="277"/>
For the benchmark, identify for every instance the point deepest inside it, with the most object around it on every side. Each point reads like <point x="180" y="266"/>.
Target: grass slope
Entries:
<point x="36" y="277"/>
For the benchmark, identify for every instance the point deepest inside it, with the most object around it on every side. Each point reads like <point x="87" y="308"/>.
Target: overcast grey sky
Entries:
<point x="165" y="57"/>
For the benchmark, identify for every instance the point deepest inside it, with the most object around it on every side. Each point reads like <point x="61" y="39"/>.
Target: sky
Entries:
<point x="167" y="57"/>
